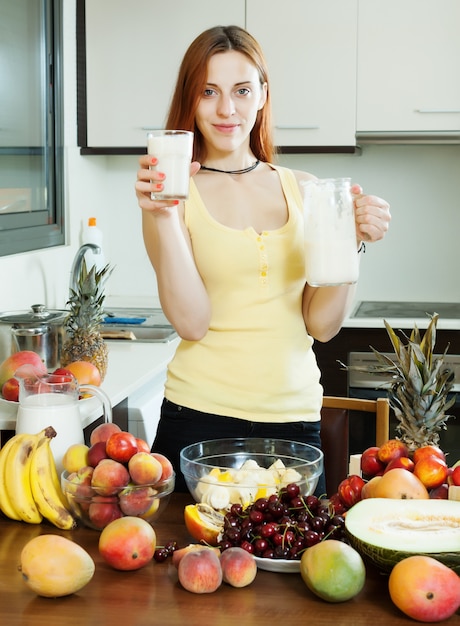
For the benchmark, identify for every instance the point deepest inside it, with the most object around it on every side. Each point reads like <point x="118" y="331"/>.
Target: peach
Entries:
<point x="142" y="445"/>
<point x="80" y="482"/>
<point x="96" y="453"/>
<point x="199" y="571"/>
<point x="103" y="432"/>
<point x="127" y="543"/>
<point x="239" y="567"/>
<point x="403" y="462"/>
<point x="180" y="552"/>
<point x="371" y="465"/>
<point x="109" y="477"/>
<point x="432" y="471"/>
<point x="10" y="366"/>
<point x="136" y="501"/>
<point x="424" y="589"/>
<point x="392" y="449"/>
<point x="400" y="484"/>
<point x="75" y="457"/>
<point x="10" y="390"/>
<point x="168" y="469"/>
<point x="121" y="446"/>
<point x="144" y="469"/>
<point x="103" y="510"/>
<point x="428" y="450"/>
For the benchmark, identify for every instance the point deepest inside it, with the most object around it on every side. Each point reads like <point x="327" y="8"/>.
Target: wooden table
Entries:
<point x="153" y="596"/>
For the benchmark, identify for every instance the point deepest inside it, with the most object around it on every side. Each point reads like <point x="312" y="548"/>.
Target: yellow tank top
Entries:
<point x="256" y="361"/>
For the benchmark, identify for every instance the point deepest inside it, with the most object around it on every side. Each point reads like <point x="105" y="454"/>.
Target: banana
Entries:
<point x="17" y="477"/>
<point x="5" y="503"/>
<point x="44" y="483"/>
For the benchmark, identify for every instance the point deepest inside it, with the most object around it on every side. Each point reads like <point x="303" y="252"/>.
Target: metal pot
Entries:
<point x="39" y="330"/>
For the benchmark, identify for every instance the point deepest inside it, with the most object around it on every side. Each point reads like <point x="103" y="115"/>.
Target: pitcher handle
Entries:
<point x="102" y="396"/>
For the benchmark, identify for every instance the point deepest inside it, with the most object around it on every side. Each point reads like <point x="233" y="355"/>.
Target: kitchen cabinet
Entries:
<point x="133" y="53"/>
<point x="311" y="52"/>
<point x="408" y="67"/>
<point x="129" y="67"/>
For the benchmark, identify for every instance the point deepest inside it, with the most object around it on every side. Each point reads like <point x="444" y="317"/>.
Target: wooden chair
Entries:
<point x="335" y="432"/>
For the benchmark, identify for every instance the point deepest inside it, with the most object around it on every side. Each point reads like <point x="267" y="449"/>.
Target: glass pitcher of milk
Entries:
<point x="331" y="256"/>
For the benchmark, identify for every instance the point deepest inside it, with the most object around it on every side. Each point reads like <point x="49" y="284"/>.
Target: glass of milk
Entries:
<point x="173" y="149"/>
<point x="331" y="256"/>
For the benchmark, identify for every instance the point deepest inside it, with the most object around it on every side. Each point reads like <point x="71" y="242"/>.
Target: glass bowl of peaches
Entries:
<point x="118" y="478"/>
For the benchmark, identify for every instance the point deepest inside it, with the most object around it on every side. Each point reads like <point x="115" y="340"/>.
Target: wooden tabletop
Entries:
<point x="153" y="595"/>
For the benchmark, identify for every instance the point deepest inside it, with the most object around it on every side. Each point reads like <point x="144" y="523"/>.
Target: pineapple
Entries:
<point x="419" y="393"/>
<point x="84" y="342"/>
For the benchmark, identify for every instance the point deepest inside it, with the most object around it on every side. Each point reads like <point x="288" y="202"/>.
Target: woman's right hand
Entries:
<point x="150" y="181"/>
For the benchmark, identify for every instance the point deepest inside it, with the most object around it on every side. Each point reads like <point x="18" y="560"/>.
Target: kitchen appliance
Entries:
<point x="40" y="330"/>
<point x="371" y="386"/>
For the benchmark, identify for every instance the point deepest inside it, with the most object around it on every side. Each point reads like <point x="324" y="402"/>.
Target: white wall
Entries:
<point x="419" y="259"/>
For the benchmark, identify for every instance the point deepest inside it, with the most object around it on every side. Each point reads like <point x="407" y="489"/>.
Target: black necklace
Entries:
<point x="244" y="171"/>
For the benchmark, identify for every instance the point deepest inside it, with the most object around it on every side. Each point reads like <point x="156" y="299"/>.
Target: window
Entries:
<point x="31" y="153"/>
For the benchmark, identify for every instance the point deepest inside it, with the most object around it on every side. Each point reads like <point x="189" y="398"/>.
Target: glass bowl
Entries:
<point x="221" y="472"/>
<point x="96" y="511"/>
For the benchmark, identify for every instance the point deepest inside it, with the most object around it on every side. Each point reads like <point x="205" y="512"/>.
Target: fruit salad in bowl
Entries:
<point x="222" y="472"/>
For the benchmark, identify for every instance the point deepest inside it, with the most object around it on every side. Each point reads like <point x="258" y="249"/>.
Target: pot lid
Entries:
<point x="38" y="314"/>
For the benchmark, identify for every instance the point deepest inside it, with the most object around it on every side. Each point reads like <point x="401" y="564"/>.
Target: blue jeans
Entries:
<point x="180" y="426"/>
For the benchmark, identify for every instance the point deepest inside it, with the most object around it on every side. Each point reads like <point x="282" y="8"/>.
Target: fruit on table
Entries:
<point x="10" y="365"/>
<point x="109" y="477"/>
<point x="349" y="490"/>
<point x="199" y="571"/>
<point x="103" y="432"/>
<point x="432" y="471"/>
<point x="424" y="589"/>
<point x="96" y="453"/>
<point x="392" y="449"/>
<point x="75" y="456"/>
<point x="86" y="305"/>
<point x="167" y="468"/>
<point x="282" y="526"/>
<point x="54" y="566"/>
<point x="178" y="553"/>
<point x="10" y="390"/>
<point x="137" y="501"/>
<point x="385" y="531"/>
<point x="121" y="446"/>
<point x="239" y="567"/>
<point x="333" y="570"/>
<point x="427" y="451"/>
<point x="203" y="522"/>
<point x="400" y="483"/>
<point x="127" y="543"/>
<point x="29" y="484"/>
<point x="371" y="465"/>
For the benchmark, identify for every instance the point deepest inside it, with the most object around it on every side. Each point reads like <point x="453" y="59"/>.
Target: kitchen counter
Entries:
<point x="153" y="595"/>
<point x="399" y="322"/>
<point x="132" y="365"/>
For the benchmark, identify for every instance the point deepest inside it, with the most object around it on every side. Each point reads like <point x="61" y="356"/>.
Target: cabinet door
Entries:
<point x="133" y="53"/>
<point x="310" y="47"/>
<point x="408" y="65"/>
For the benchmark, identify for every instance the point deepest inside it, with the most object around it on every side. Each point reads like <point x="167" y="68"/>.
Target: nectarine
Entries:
<point x="239" y="567"/>
<point x="103" y="432"/>
<point x="392" y="449"/>
<point x="432" y="471"/>
<point x="199" y="571"/>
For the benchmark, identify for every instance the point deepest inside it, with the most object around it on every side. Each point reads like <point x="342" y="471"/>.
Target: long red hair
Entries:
<point x="191" y="82"/>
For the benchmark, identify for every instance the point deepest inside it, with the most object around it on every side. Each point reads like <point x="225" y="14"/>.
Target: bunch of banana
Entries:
<point x="29" y="484"/>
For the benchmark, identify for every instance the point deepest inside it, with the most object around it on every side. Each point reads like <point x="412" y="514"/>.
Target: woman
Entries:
<point x="230" y="264"/>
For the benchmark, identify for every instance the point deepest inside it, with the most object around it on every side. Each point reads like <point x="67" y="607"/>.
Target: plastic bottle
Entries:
<point x="93" y="234"/>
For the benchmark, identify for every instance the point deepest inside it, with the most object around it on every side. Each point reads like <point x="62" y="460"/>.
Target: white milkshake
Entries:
<point x="173" y="149"/>
<point x="331" y="257"/>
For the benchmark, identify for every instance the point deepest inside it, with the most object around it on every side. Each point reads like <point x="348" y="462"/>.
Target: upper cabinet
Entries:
<point x="408" y="67"/>
<point x="133" y="52"/>
<point x="311" y="54"/>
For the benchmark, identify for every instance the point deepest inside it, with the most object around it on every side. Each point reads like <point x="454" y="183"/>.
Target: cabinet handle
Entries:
<point x="304" y="127"/>
<point x="437" y="110"/>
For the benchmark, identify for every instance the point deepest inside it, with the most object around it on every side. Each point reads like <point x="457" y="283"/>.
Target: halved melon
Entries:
<point x="385" y="531"/>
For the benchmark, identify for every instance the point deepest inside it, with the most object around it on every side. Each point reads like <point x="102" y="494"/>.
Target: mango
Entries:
<point x="53" y="566"/>
<point x="333" y="570"/>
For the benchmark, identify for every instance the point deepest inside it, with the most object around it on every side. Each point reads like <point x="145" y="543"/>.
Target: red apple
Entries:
<point x="371" y="465"/>
<point x="127" y="543"/>
<point x="121" y="446"/>
<point x="62" y="375"/>
<point x="10" y="390"/>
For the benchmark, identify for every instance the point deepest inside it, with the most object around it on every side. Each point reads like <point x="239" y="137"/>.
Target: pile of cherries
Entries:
<point x="283" y="525"/>
<point x="163" y="552"/>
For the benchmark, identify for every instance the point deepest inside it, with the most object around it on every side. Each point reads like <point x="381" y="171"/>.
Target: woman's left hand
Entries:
<point x="372" y="215"/>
